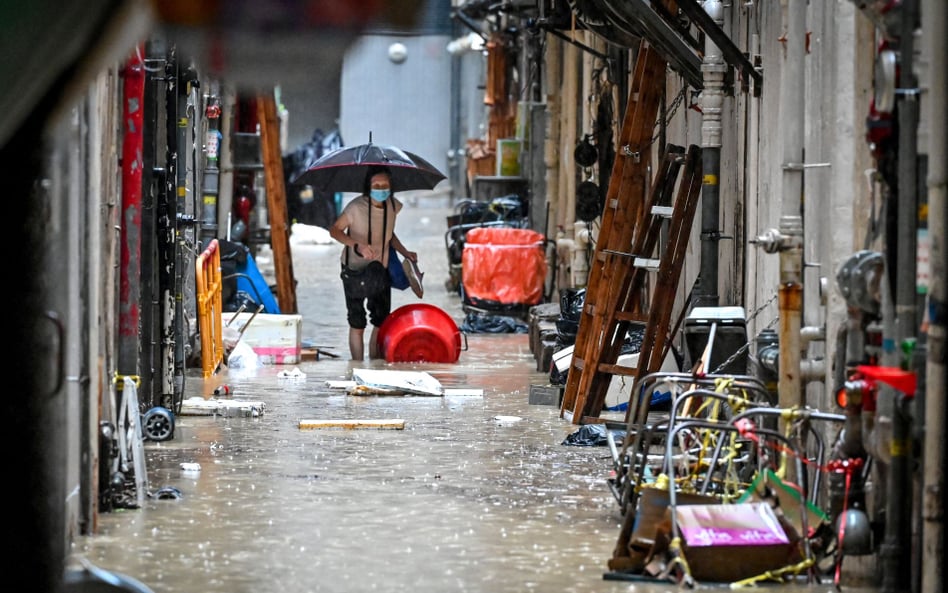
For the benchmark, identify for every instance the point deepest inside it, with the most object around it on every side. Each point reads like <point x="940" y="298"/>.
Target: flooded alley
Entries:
<point x="477" y="493"/>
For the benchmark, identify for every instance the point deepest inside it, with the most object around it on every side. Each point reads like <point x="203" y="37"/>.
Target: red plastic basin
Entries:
<point x="419" y="333"/>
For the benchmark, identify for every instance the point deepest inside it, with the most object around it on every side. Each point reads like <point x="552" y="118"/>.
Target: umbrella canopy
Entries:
<point x="344" y="169"/>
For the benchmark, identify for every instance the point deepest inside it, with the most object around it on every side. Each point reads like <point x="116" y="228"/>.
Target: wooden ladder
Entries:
<point x="277" y="212"/>
<point x="617" y="294"/>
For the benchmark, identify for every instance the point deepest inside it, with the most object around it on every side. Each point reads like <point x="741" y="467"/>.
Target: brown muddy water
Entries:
<point x="477" y="493"/>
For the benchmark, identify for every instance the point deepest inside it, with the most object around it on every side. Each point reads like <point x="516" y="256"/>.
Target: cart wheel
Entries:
<point x="158" y="424"/>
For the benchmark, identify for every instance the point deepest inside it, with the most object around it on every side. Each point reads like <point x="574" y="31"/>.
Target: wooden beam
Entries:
<point x="276" y="202"/>
<point x="393" y="424"/>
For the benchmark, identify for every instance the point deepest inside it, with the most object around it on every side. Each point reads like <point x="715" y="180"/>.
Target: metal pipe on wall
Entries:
<point x="211" y="177"/>
<point x="896" y="550"/>
<point x="129" y="306"/>
<point x="787" y="239"/>
<point x="570" y="106"/>
<point x="554" y="106"/>
<point x="713" y="69"/>
<point x="225" y="195"/>
<point x="182" y="143"/>
<point x="935" y="29"/>
<point x="790" y="290"/>
<point x="906" y="324"/>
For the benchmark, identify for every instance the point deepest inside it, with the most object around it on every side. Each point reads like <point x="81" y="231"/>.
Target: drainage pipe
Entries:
<point x="183" y="212"/>
<point x="551" y="146"/>
<point x="130" y="250"/>
<point x="570" y="88"/>
<point x="790" y="290"/>
<point x="935" y="30"/>
<point x="787" y="239"/>
<point x="906" y="325"/>
<point x="895" y="554"/>
<point x="713" y="69"/>
<point x="211" y="179"/>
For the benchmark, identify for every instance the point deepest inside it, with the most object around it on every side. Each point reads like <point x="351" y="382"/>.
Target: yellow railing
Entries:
<point x="209" y="307"/>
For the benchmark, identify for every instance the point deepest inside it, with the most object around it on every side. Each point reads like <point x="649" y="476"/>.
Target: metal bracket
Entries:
<point x="802" y="166"/>
<point x="627" y="151"/>
<point x="650" y="264"/>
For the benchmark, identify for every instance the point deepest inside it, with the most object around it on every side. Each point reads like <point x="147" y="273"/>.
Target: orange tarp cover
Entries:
<point x="504" y="265"/>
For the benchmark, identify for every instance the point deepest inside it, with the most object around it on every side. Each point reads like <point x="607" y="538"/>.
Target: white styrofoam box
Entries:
<point x="277" y="339"/>
<point x="563" y="358"/>
<point x="620" y="386"/>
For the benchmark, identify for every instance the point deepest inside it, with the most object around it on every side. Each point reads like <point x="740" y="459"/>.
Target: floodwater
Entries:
<point x="477" y="492"/>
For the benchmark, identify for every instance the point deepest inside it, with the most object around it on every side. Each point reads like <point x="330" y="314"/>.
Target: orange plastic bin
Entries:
<point x="503" y="266"/>
<point x="419" y="333"/>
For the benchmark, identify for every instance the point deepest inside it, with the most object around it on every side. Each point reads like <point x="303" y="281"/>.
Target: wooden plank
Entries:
<point x="370" y="390"/>
<point x="276" y="202"/>
<point x="617" y="369"/>
<point x="392" y="424"/>
<point x="314" y="353"/>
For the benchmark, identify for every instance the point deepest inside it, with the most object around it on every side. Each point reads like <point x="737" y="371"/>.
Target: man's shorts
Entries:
<point x="379" y="306"/>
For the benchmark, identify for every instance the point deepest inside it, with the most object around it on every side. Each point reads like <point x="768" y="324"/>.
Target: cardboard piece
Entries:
<point x="651" y="513"/>
<point x="730" y="542"/>
<point x="416" y="382"/>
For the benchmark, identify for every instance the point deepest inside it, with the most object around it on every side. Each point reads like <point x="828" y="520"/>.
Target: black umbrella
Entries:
<point x="344" y="169"/>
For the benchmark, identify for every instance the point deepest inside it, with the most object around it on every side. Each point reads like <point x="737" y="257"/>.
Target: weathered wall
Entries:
<point x="385" y="99"/>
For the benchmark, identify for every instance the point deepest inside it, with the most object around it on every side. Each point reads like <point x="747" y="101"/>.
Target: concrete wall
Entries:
<point x="835" y="203"/>
<point x="407" y="104"/>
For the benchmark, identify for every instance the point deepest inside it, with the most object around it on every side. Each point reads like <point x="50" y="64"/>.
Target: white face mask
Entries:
<point x="380" y="195"/>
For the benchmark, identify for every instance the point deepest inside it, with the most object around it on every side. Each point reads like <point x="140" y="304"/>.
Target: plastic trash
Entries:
<point x="485" y="323"/>
<point x="507" y="419"/>
<point x="296" y="373"/>
<point x="593" y="435"/>
<point x="243" y="357"/>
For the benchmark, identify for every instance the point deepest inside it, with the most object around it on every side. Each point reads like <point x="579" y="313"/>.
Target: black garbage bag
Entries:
<point x="571" y="303"/>
<point x="510" y="208"/>
<point x="240" y="298"/>
<point x="593" y="435"/>
<point x="482" y="323"/>
<point x="557" y="377"/>
<point x="633" y="339"/>
<point x="304" y="204"/>
<point x="571" y="308"/>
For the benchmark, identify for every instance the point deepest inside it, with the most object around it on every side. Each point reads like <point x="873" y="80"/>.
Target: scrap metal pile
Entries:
<point x="723" y="486"/>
